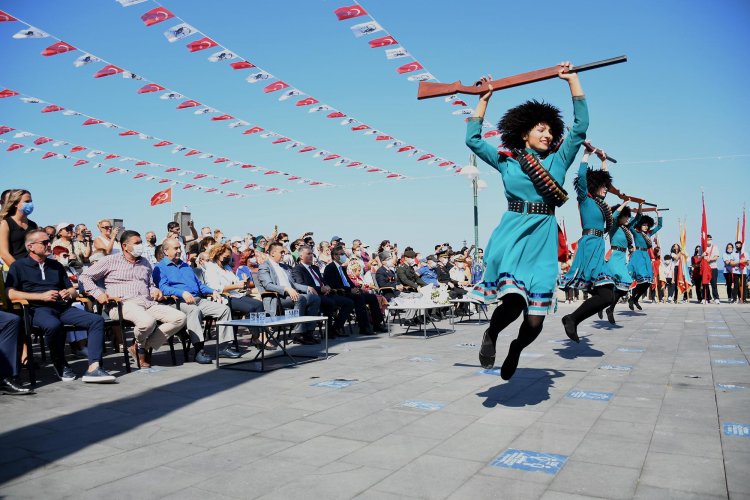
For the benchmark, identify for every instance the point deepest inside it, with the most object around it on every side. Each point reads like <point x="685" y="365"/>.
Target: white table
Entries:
<point x="478" y="307"/>
<point x="417" y="308"/>
<point x="276" y="324"/>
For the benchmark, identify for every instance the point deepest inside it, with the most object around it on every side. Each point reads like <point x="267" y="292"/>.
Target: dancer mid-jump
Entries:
<point x="521" y="256"/>
<point x="621" y="241"/>
<point x="640" y="266"/>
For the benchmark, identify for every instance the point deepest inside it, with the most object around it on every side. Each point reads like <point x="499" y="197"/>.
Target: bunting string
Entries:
<point x="159" y="142"/>
<point x="273" y="83"/>
<point x="215" y="114"/>
<point x="110" y="156"/>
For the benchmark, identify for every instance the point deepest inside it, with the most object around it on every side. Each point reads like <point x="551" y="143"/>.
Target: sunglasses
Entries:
<point x="106" y="227"/>
<point x="43" y="242"/>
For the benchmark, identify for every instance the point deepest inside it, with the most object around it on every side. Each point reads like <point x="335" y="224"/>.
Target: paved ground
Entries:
<point x="412" y="418"/>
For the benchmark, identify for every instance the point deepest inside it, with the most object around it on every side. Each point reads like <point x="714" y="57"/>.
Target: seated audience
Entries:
<point x="406" y="273"/>
<point x="10" y="331"/>
<point x="105" y="243"/>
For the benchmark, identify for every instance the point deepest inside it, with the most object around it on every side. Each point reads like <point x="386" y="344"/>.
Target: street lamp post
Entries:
<point x="472" y="173"/>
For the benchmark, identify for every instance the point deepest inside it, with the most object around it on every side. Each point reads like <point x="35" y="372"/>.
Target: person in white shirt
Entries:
<point x="730" y="261"/>
<point x="712" y="254"/>
<point x="218" y="275"/>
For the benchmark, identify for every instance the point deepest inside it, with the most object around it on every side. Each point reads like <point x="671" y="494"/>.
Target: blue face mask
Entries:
<point x="27" y="208"/>
<point x="343" y="258"/>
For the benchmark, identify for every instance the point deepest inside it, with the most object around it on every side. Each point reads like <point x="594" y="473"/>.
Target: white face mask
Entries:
<point x="64" y="261"/>
<point x="137" y="250"/>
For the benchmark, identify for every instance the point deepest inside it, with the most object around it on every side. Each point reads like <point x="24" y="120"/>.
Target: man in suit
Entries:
<point x="309" y="274"/>
<point x="406" y="273"/>
<point x="275" y="276"/>
<point x="386" y="276"/>
<point x="335" y="275"/>
<point x="443" y="275"/>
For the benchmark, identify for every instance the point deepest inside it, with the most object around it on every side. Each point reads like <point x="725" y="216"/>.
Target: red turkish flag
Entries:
<point x="92" y="121"/>
<point x="7" y="93"/>
<point x="445" y="163"/>
<point x="273" y="87"/>
<point x="331" y="157"/>
<point x="4" y="17"/>
<point x="42" y="140"/>
<point x="458" y="103"/>
<point x="150" y="87"/>
<point x="155" y="16"/>
<point x="76" y="149"/>
<point x="307" y="149"/>
<point x="142" y="163"/>
<point x="426" y="157"/>
<point x="248" y="166"/>
<point x="112" y="170"/>
<point x="354" y="164"/>
<point x="188" y="186"/>
<point x="405" y="148"/>
<point x="491" y="133"/>
<point x="14" y="146"/>
<point x="202" y="44"/>
<point x="108" y="70"/>
<point x="128" y="132"/>
<point x="372" y="170"/>
<point x="383" y="138"/>
<point x="52" y="108"/>
<point x="271" y="172"/>
<point x="211" y="190"/>
<point x="192" y="152"/>
<point x="162" y="181"/>
<point x="48" y="154"/>
<point x="360" y="127"/>
<point x="253" y="130"/>
<point x="4" y="130"/>
<point x="162" y="143"/>
<point x="139" y="175"/>
<point x="350" y="12"/>
<point x="80" y="162"/>
<point x="409" y="67"/>
<point x="383" y="41"/>
<point x="111" y="156"/>
<point x="226" y="181"/>
<point x="281" y="140"/>
<point x="242" y="65"/>
<point x="199" y="176"/>
<point x="162" y="196"/>
<point x="307" y="101"/>
<point x="391" y="176"/>
<point x="221" y="160"/>
<point x="171" y="169"/>
<point x="222" y="117"/>
<point x="188" y="104"/>
<point x="335" y="114"/>
<point x="250" y="186"/>
<point x="293" y="178"/>
<point x="58" y="48"/>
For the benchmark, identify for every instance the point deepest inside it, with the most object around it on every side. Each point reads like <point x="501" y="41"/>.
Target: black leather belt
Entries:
<point x="645" y="249"/>
<point x="531" y="207"/>
<point x="593" y="232"/>
<point x="620" y="249"/>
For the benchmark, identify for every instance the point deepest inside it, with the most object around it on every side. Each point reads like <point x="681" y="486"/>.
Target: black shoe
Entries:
<point x="301" y="339"/>
<point x="228" y="352"/>
<point x="340" y="332"/>
<point x="511" y="361"/>
<point x="571" y="329"/>
<point x="13" y="388"/>
<point x="381" y="328"/>
<point x="636" y="304"/>
<point x="611" y="315"/>
<point x="487" y="350"/>
<point x="600" y="315"/>
<point x="366" y="331"/>
<point x="630" y="303"/>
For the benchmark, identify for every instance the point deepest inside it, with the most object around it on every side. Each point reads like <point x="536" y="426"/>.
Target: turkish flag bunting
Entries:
<point x="202" y="44"/>
<point x="409" y="67"/>
<point x="112" y="170"/>
<point x="162" y="181"/>
<point x="155" y="16"/>
<point x="107" y="70"/>
<point x="150" y="87"/>
<point x="222" y="117"/>
<point x="458" y="103"/>
<point x="92" y="121"/>
<point x="128" y="132"/>
<point x="188" y="186"/>
<point x="199" y="176"/>
<point x="188" y="104"/>
<point x="42" y="140"/>
<point x="4" y="130"/>
<point x="354" y="164"/>
<point x="293" y="178"/>
<point x="331" y="157"/>
<point x="221" y="160"/>
<point x="280" y="140"/>
<point x="405" y="148"/>
<point x="371" y="170"/>
<point x="192" y="152"/>
<point x="445" y="163"/>
<point x="253" y="130"/>
<point x="425" y="157"/>
<point x="48" y="154"/>
<point x="273" y="87"/>
<point x="226" y="181"/>
<point x="162" y="196"/>
<point x="142" y="163"/>
<point x="4" y="17"/>
<point x="52" y="108"/>
<point x="391" y="176"/>
<point x="58" y="48"/>
<point x="248" y="166"/>
<point x="383" y="138"/>
<point x="76" y="149"/>
<point x="491" y="133"/>
<point x="242" y="65"/>
<point x="307" y="149"/>
<point x="111" y="156"/>
<point x="171" y="169"/>
<point x="139" y="175"/>
<point x="271" y="172"/>
<point x="162" y="143"/>
<point x="349" y="12"/>
<point x="250" y="186"/>
<point x="307" y="101"/>
<point x="383" y="41"/>
<point x="360" y="127"/>
<point x="80" y="162"/>
<point x="211" y="190"/>
<point x="14" y="146"/>
<point x="7" y="93"/>
<point x="335" y="114"/>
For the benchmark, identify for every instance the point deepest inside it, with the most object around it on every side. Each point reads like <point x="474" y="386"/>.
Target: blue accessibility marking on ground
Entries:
<point x="489" y="371"/>
<point x="423" y="405"/>
<point x="559" y="341"/>
<point x="730" y="387"/>
<point x="421" y="359"/>
<point x="736" y="430"/>
<point x="732" y="362"/>
<point x="722" y="346"/>
<point x="619" y="368"/>
<point x="631" y="349"/>
<point x="531" y="355"/>
<point x="334" y="384"/>
<point x="531" y="461"/>
<point x="594" y="396"/>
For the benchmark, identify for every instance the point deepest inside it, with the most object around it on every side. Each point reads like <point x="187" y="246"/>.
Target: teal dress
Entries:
<point x="521" y="255"/>
<point x="640" y="266"/>
<point x="618" y="261"/>
<point x="588" y="269"/>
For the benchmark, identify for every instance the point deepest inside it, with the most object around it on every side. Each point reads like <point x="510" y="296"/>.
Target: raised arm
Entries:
<point x="474" y="141"/>
<point x="582" y="187"/>
<point x="658" y="224"/>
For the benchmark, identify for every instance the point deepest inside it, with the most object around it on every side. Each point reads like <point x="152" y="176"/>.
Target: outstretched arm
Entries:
<point x="474" y="141"/>
<point x="577" y="135"/>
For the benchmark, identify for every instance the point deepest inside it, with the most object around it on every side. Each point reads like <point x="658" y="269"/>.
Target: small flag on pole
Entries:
<point x="162" y="197"/>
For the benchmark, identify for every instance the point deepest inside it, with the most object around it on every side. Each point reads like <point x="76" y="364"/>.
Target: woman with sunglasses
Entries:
<point x="106" y="243"/>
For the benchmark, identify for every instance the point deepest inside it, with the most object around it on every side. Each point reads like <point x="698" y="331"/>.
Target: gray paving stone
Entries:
<point x="598" y="449"/>
<point x="418" y="479"/>
<point x="596" y="480"/>
<point x="694" y="474"/>
<point x="497" y="487"/>
<point x="154" y="483"/>
<point x="647" y="492"/>
<point x="737" y="465"/>
<point x="319" y="450"/>
<point x="391" y="452"/>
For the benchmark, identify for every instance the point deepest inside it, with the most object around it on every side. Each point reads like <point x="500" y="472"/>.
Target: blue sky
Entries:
<point x="682" y="96"/>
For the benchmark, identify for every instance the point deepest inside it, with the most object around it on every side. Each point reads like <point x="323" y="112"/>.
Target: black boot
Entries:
<point x="571" y="329"/>
<point x="511" y="361"/>
<point x="487" y="350"/>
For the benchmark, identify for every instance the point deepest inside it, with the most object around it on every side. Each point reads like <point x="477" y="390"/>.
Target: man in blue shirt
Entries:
<point x="174" y="277"/>
<point x="428" y="272"/>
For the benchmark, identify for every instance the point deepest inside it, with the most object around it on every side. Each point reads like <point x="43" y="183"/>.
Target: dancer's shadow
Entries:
<point x="528" y="387"/>
<point x="580" y="350"/>
<point x="631" y="313"/>
<point x="603" y="324"/>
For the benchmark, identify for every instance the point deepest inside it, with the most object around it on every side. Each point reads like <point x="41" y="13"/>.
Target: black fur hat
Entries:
<point x="597" y="178"/>
<point x="645" y="219"/>
<point x="625" y="212"/>
<point x="518" y="121"/>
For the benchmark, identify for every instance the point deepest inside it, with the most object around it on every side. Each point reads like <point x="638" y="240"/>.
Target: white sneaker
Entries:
<point x="717" y="301"/>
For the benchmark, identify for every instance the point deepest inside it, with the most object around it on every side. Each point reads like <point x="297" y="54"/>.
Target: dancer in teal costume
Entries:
<point x="640" y="261"/>
<point x="621" y="242"/>
<point x="521" y="256"/>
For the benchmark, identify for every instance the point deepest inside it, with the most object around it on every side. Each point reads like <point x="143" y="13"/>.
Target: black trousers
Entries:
<point x="245" y="305"/>
<point x="361" y="303"/>
<point x="10" y="329"/>
<point x="51" y="321"/>
<point x="340" y="306"/>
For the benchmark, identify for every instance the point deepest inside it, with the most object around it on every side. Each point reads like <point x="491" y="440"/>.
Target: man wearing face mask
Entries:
<point x="149" y="251"/>
<point x="127" y="276"/>
<point x="406" y="273"/>
<point x="175" y="277"/>
<point x="428" y="272"/>
<point x="44" y="283"/>
<point x="712" y="255"/>
<point x="335" y="275"/>
<point x="443" y="275"/>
